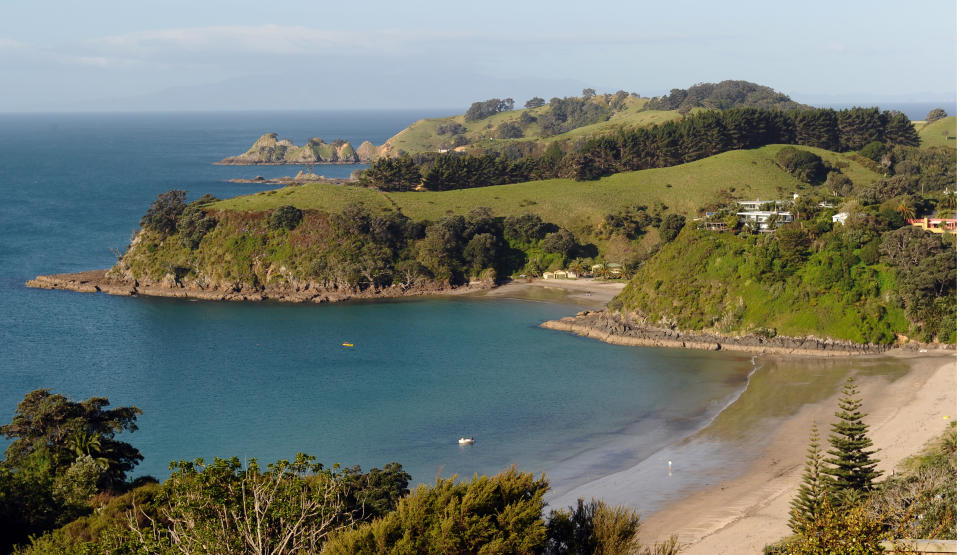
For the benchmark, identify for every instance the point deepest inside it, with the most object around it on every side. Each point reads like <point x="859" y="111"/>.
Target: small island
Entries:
<point x="269" y="149"/>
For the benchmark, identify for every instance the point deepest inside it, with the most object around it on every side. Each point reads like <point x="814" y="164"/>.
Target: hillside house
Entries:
<point x="841" y="218"/>
<point x="936" y="225"/>
<point x="764" y="220"/>
<point x="758" y="205"/>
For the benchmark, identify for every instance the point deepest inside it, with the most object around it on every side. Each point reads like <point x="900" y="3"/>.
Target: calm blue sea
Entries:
<point x="267" y="380"/>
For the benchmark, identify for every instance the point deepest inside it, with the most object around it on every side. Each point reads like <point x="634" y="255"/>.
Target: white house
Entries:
<point x="755" y="205"/>
<point x="841" y="217"/>
<point x="761" y="219"/>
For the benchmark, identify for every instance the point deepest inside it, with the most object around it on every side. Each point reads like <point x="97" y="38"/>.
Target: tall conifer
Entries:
<point x="851" y="469"/>
<point x="809" y="500"/>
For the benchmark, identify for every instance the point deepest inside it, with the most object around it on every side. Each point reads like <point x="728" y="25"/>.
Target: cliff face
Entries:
<point x="268" y="149"/>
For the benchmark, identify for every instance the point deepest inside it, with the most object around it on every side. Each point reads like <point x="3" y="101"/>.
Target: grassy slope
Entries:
<point x="942" y="132"/>
<point x="573" y="204"/>
<point x="421" y="136"/>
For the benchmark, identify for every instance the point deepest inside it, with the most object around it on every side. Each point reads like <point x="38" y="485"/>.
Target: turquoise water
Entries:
<point x="268" y="380"/>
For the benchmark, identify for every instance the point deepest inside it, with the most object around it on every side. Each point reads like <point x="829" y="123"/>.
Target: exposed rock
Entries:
<point x="268" y="149"/>
<point x="614" y="328"/>
<point x="113" y="282"/>
<point x="367" y="151"/>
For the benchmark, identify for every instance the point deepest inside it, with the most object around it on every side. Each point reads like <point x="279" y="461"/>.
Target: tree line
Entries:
<point x="694" y="137"/>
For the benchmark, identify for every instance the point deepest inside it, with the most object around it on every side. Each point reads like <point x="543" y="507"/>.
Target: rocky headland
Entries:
<point x="616" y="329"/>
<point x="270" y="150"/>
<point x="107" y="281"/>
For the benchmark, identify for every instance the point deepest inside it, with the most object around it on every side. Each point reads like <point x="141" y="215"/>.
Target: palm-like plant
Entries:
<point x="84" y="443"/>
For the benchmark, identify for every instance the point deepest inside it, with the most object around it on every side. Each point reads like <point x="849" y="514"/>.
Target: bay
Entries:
<point x="269" y="380"/>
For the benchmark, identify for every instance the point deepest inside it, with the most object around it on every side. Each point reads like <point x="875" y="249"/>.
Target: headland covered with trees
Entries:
<point x="841" y="257"/>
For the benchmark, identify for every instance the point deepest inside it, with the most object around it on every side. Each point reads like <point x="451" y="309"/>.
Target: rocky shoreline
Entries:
<point x="99" y="281"/>
<point x="614" y="329"/>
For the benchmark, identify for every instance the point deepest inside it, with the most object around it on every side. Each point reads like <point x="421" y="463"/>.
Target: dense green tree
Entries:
<point x="498" y="514"/>
<point x="392" y="174"/>
<point x="560" y="242"/>
<point x="671" y="227"/>
<point x="534" y="102"/>
<point x="285" y="217"/>
<point x="193" y="224"/>
<point x="375" y="493"/>
<point x="62" y="452"/>
<point x="451" y="128"/>
<point x="804" y="165"/>
<point x="849" y="464"/>
<point x="480" y="252"/>
<point x="818" y="128"/>
<point x="806" y="505"/>
<point x="589" y="93"/>
<point x="509" y="130"/>
<point x="874" y="150"/>
<point x="48" y="423"/>
<point x="164" y="212"/>
<point x="935" y="114"/>
<point x="487" y="108"/>
<point x="899" y="130"/>
<point x="926" y="271"/>
<point x="526" y="228"/>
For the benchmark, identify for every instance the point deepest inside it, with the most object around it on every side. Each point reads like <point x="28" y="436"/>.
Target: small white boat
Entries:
<point x="465" y="441"/>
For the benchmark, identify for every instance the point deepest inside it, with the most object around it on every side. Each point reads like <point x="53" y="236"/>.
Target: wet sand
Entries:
<point x="909" y="398"/>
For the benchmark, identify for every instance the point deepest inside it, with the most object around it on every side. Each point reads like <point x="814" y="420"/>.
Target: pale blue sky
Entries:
<point x="215" y="54"/>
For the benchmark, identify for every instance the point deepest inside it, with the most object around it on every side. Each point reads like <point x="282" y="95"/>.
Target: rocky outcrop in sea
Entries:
<point x="270" y="150"/>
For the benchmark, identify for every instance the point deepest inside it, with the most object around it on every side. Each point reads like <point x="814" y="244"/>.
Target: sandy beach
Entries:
<point x="744" y="514"/>
<point x="586" y="292"/>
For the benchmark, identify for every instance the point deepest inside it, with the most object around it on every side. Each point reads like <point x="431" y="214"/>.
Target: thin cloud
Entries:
<point x="7" y="45"/>
<point x="260" y="39"/>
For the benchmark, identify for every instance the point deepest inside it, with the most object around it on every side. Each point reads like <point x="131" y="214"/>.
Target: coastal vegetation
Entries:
<point x="286" y="507"/>
<point x="694" y="137"/>
<point x="864" y="280"/>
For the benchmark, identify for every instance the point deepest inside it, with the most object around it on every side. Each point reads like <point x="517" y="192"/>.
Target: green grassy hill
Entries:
<point x="421" y="136"/>
<point x="942" y="132"/>
<point x="575" y="205"/>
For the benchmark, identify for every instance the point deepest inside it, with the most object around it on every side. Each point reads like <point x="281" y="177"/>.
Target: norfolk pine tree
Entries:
<point x="810" y="497"/>
<point x="851" y="469"/>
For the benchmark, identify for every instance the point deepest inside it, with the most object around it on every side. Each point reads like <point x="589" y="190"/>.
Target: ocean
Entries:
<point x="270" y="380"/>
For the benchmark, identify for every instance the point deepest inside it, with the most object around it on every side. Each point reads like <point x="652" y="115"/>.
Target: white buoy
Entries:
<point x="669" y="468"/>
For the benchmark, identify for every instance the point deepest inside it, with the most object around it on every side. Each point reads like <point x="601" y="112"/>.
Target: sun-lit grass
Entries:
<point x="421" y="136"/>
<point x="942" y="132"/>
<point x="576" y="205"/>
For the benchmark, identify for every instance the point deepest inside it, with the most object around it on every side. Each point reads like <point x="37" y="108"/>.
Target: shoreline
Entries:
<point x="613" y="329"/>
<point x="744" y="513"/>
<point x="97" y="281"/>
<point x="590" y="293"/>
<point x="228" y="162"/>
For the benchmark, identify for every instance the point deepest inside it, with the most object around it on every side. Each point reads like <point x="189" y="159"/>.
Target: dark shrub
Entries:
<point x="285" y="217"/>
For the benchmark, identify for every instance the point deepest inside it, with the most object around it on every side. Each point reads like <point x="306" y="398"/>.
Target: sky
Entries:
<point x="63" y="55"/>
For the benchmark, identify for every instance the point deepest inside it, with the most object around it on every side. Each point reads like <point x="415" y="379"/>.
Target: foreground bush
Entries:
<point x="498" y="514"/>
